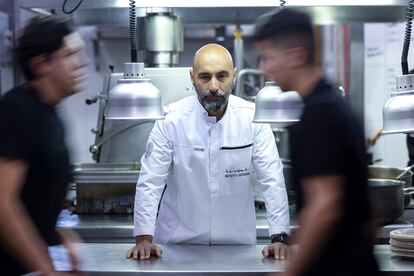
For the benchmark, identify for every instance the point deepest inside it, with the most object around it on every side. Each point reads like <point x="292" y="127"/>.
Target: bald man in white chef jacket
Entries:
<point x="203" y="153"/>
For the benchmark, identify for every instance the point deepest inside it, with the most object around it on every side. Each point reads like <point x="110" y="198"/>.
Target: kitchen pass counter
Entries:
<point x="109" y="259"/>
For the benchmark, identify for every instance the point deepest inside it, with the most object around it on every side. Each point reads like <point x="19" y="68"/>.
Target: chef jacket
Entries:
<point x="205" y="167"/>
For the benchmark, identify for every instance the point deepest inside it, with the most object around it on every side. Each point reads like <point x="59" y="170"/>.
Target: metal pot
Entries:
<point x="387" y="200"/>
<point x="385" y="172"/>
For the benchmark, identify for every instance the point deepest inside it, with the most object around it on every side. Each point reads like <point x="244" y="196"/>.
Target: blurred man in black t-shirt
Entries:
<point x="34" y="161"/>
<point x="335" y="232"/>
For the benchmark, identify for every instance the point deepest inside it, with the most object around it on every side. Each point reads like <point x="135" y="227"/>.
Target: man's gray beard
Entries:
<point x="214" y="106"/>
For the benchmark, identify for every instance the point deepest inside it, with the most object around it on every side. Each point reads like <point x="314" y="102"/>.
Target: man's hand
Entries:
<point x="278" y="250"/>
<point x="144" y="249"/>
<point x="69" y="238"/>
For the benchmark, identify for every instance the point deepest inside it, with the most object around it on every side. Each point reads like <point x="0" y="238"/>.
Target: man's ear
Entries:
<point x="38" y="65"/>
<point x="234" y="75"/>
<point x="297" y="56"/>
<point x="192" y="76"/>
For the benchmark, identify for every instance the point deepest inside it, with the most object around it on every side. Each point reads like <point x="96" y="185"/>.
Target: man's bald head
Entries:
<point x="213" y="77"/>
<point x="212" y="53"/>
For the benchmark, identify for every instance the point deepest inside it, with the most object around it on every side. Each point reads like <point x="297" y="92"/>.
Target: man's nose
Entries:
<point x="214" y="85"/>
<point x="262" y="65"/>
<point x="83" y="60"/>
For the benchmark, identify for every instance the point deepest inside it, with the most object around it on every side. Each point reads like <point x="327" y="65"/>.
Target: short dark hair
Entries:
<point x="42" y="35"/>
<point x="287" y="27"/>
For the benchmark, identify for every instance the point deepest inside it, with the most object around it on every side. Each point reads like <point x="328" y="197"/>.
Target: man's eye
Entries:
<point x="70" y="54"/>
<point x="204" y="77"/>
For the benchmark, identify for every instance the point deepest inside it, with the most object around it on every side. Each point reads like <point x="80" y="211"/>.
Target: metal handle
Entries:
<point x="406" y="170"/>
<point x="94" y="99"/>
<point x="240" y="78"/>
<point x="108" y="135"/>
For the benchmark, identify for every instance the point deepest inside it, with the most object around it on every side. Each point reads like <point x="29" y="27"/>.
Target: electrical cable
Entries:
<point x="133" y="31"/>
<point x="407" y="37"/>
<point x="72" y="10"/>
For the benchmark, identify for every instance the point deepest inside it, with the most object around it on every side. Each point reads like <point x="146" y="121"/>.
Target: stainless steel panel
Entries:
<point x="161" y="37"/>
<point x="119" y="228"/>
<point x="213" y="3"/>
<point x="109" y="259"/>
<point x="179" y="260"/>
<point x="161" y="33"/>
<point x="243" y="15"/>
<point x="231" y="12"/>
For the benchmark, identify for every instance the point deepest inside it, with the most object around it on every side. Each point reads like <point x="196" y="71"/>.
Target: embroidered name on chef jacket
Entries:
<point x="237" y="172"/>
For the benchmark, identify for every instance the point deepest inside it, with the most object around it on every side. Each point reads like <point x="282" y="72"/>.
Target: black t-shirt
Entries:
<point x="32" y="132"/>
<point x="329" y="141"/>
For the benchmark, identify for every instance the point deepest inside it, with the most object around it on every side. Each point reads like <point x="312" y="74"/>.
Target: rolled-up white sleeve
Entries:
<point x="155" y="165"/>
<point x="269" y="172"/>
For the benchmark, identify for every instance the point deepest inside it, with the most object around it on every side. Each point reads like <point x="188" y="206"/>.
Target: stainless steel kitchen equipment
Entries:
<point x="241" y="82"/>
<point x="108" y="187"/>
<point x="387" y="200"/>
<point x="160" y="36"/>
<point x="405" y="171"/>
<point x="134" y="97"/>
<point x="105" y="188"/>
<point x="398" y="110"/>
<point x="324" y="12"/>
<point x="277" y="107"/>
<point x="127" y="141"/>
<point x="282" y="142"/>
<point x="385" y="172"/>
<point x="200" y="260"/>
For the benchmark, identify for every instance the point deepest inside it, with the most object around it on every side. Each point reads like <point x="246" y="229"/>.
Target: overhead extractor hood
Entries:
<point x="230" y="11"/>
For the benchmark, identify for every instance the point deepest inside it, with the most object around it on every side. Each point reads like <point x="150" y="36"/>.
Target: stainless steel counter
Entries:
<point x="119" y="228"/>
<point x="109" y="259"/>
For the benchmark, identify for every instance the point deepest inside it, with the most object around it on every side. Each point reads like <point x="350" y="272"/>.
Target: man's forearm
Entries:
<point x="310" y="238"/>
<point x="22" y="239"/>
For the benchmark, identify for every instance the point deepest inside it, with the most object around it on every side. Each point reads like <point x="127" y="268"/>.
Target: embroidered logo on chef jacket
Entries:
<point x="149" y="149"/>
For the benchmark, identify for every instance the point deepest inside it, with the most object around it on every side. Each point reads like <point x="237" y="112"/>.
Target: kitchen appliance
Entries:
<point x="398" y="110"/>
<point x="161" y="37"/>
<point x="108" y="187"/>
<point x="277" y="107"/>
<point x="128" y="140"/>
<point x="105" y="188"/>
<point x="391" y="173"/>
<point x="387" y="200"/>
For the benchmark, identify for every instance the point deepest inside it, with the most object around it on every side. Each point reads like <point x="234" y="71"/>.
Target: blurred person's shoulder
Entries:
<point x="20" y="100"/>
<point x="325" y="100"/>
<point x="19" y="94"/>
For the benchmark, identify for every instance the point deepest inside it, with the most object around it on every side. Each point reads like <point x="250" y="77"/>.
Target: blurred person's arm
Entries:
<point x="69" y="238"/>
<point x="323" y="198"/>
<point x="17" y="231"/>
<point x="374" y="137"/>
